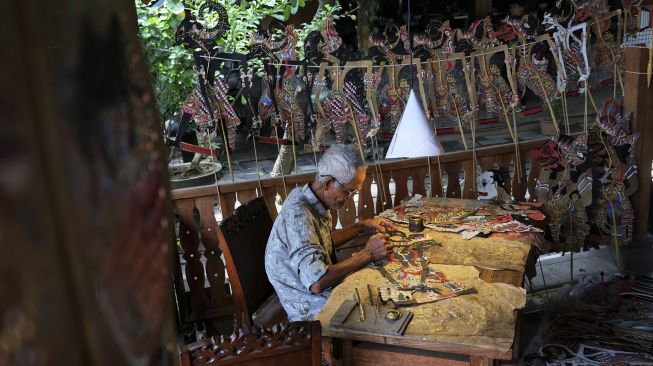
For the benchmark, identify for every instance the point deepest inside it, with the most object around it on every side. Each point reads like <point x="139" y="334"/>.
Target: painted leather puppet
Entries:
<point x="491" y="186"/>
<point x="617" y="170"/>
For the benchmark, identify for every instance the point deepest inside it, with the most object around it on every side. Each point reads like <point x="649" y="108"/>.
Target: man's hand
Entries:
<point x="376" y="247"/>
<point x="377" y="225"/>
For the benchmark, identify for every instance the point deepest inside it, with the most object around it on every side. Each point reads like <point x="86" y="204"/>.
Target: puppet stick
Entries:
<point x="585" y="110"/>
<point x="354" y="124"/>
<point x="428" y="163"/>
<point x="377" y="167"/>
<point x="460" y="123"/>
<point x="589" y="93"/>
<point x="292" y="134"/>
<point x="380" y="171"/>
<point x="258" y="172"/>
<point x="439" y="173"/>
<point x="518" y="168"/>
<point x="649" y="69"/>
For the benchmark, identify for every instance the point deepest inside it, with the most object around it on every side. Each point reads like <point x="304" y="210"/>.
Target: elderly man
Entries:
<point x="299" y="258"/>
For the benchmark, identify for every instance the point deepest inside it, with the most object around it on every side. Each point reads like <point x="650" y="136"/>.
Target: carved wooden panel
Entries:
<point x="297" y="343"/>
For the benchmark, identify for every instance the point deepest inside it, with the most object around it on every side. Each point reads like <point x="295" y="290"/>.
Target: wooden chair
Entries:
<point x="243" y="238"/>
<point x="297" y="343"/>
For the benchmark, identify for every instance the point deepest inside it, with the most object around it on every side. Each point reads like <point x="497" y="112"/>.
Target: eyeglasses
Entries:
<point x="350" y="192"/>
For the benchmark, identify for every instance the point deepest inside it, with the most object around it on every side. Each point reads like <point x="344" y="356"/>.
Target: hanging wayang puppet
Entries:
<point x="278" y="101"/>
<point x="565" y="188"/>
<point x="208" y="105"/>
<point x="617" y="171"/>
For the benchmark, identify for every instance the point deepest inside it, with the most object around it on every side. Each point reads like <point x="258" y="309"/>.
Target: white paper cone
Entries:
<point x="414" y="136"/>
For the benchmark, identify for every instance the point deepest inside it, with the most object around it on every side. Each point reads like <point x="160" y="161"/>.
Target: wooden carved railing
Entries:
<point x="195" y="209"/>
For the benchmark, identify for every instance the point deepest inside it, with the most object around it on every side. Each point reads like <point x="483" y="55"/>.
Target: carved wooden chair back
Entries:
<point x="297" y="343"/>
<point x="243" y="237"/>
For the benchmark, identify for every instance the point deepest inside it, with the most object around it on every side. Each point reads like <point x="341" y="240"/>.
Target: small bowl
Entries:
<point x="393" y="315"/>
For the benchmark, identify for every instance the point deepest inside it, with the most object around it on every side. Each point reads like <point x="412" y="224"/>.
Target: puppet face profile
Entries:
<point x="574" y="151"/>
<point x="548" y="155"/>
<point x="488" y="184"/>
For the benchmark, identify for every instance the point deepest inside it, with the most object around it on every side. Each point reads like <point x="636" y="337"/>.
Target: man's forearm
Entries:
<point x="336" y="272"/>
<point x="345" y="234"/>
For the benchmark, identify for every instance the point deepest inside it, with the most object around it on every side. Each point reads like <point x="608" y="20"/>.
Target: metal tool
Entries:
<point x="360" y="305"/>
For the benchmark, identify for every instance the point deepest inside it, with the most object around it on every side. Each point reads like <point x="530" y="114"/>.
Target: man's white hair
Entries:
<point x="341" y="162"/>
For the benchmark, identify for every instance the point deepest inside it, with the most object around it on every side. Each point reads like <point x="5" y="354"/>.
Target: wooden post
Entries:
<point x="482" y="8"/>
<point x="638" y="101"/>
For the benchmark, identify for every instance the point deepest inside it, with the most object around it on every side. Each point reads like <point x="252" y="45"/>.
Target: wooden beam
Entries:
<point x="637" y="100"/>
<point x="387" y="166"/>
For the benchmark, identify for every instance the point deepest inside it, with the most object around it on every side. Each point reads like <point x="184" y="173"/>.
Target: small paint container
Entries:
<point x="415" y="224"/>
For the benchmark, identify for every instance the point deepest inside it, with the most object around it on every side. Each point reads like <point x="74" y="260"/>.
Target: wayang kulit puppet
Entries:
<point x="207" y="105"/>
<point x="585" y="181"/>
<point x="491" y="186"/>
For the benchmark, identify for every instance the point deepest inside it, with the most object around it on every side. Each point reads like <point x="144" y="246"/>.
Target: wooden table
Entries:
<point x="399" y="350"/>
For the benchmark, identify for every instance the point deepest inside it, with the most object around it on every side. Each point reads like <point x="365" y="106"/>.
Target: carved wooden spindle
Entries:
<point x="418" y="175"/>
<point x="533" y="176"/>
<point x="347" y="213"/>
<point x="269" y="196"/>
<point x="383" y="186"/>
<point x="246" y="195"/>
<point x="215" y="269"/>
<point x="227" y="203"/>
<point x="436" y="178"/>
<point x="453" y="184"/>
<point x="334" y="218"/>
<point x="194" y="269"/>
<point x="365" y="200"/>
<point x="401" y="185"/>
<point x="469" y="184"/>
<point x="519" y="184"/>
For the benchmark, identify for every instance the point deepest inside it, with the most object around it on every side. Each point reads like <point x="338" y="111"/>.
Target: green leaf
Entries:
<point x="353" y="17"/>
<point x="286" y="12"/>
<point x="278" y="16"/>
<point x="175" y="6"/>
<point x="294" y="6"/>
<point x="243" y="101"/>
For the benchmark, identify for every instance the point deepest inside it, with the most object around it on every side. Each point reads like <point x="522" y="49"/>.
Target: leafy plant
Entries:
<point x="171" y="66"/>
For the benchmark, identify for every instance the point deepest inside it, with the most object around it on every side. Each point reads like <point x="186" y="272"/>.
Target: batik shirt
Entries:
<point x="298" y="253"/>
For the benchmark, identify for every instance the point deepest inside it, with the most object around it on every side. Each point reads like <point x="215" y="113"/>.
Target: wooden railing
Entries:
<point x="196" y="206"/>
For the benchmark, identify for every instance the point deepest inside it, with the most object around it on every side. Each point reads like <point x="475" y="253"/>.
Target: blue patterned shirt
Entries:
<point x="298" y="253"/>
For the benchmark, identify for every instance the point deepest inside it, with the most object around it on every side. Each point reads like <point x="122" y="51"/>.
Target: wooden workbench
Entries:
<point x="423" y="344"/>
